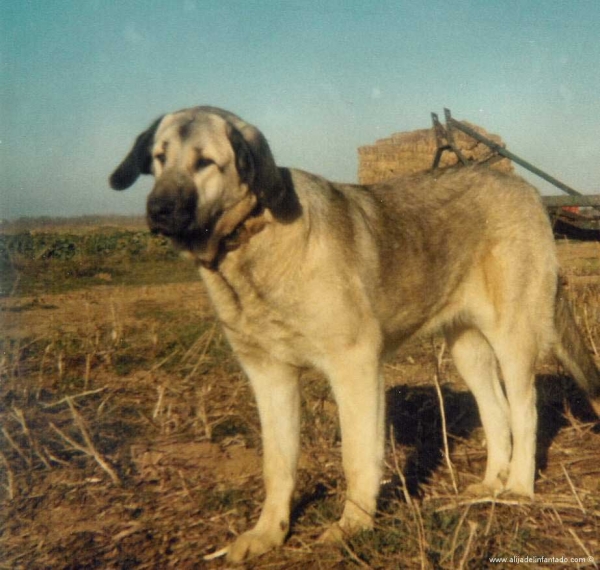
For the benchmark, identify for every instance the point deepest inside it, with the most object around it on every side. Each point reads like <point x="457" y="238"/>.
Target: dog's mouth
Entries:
<point x="186" y="234"/>
<point x="192" y="232"/>
<point x="178" y="219"/>
<point x="194" y="240"/>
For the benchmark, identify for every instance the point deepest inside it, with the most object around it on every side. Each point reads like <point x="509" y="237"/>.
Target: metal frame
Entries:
<point x="445" y="141"/>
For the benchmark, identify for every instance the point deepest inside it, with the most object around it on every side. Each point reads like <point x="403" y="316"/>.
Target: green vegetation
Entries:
<point x="35" y="263"/>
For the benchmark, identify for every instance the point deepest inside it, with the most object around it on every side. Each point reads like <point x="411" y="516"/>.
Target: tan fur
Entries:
<point x="335" y="276"/>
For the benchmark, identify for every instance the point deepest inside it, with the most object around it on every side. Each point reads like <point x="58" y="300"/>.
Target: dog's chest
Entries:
<point x="257" y="320"/>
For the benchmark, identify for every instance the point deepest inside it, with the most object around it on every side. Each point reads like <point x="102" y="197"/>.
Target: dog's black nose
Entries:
<point x="160" y="210"/>
<point x="171" y="213"/>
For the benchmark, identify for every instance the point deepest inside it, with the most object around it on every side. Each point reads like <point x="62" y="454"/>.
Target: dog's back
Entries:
<point x="467" y="244"/>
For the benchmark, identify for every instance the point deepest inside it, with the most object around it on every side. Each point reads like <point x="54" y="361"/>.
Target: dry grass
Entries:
<point x="130" y="439"/>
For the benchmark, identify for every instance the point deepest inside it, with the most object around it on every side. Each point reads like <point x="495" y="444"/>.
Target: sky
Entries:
<point x="79" y="79"/>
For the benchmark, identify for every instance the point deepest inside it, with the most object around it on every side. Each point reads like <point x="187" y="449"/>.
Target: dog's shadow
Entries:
<point x="558" y="397"/>
<point x="415" y="421"/>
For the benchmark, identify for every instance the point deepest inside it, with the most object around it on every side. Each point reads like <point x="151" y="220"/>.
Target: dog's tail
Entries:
<point x="570" y="347"/>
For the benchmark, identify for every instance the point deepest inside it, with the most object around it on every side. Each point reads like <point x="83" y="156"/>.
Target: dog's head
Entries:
<point x="211" y="170"/>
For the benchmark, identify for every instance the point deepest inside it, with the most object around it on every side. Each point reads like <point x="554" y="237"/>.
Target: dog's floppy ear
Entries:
<point x="137" y="162"/>
<point x="244" y="159"/>
<point x="256" y="166"/>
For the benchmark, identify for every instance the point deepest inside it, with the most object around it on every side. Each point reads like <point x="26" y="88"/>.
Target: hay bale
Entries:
<point x="412" y="152"/>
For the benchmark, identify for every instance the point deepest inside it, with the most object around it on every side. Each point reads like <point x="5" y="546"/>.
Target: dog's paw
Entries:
<point x="484" y="489"/>
<point x="332" y="534"/>
<point x="518" y="491"/>
<point x="352" y="522"/>
<point x="253" y="543"/>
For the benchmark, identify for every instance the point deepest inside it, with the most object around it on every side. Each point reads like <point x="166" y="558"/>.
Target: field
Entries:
<point x="129" y="438"/>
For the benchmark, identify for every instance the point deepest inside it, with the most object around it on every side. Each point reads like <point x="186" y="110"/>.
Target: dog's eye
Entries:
<point x="161" y="158"/>
<point x="203" y="162"/>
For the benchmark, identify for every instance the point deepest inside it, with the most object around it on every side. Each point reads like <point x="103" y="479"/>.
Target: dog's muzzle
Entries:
<point x="171" y="208"/>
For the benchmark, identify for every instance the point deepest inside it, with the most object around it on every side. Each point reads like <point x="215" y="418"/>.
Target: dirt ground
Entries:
<point x="130" y="439"/>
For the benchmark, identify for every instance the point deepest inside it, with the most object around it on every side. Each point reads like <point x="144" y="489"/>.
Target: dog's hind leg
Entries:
<point x="359" y="392"/>
<point x="517" y="353"/>
<point x="277" y="394"/>
<point x="476" y="362"/>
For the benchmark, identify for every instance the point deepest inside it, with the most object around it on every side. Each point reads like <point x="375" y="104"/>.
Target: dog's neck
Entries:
<point x="243" y="222"/>
<point x="254" y="223"/>
<point x="248" y="217"/>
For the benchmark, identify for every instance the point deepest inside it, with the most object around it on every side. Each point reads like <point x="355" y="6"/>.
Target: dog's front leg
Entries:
<point x="278" y="397"/>
<point x="359" y="392"/>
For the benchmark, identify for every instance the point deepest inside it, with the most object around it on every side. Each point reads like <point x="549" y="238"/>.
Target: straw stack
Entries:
<point x="414" y="151"/>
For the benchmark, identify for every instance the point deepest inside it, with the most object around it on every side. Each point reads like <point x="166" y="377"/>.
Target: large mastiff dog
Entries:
<point x="305" y="272"/>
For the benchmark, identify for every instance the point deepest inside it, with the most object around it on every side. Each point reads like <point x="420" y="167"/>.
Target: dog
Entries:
<point x="303" y="272"/>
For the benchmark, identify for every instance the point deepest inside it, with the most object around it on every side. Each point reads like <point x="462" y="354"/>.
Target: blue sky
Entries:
<point x="80" y="79"/>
